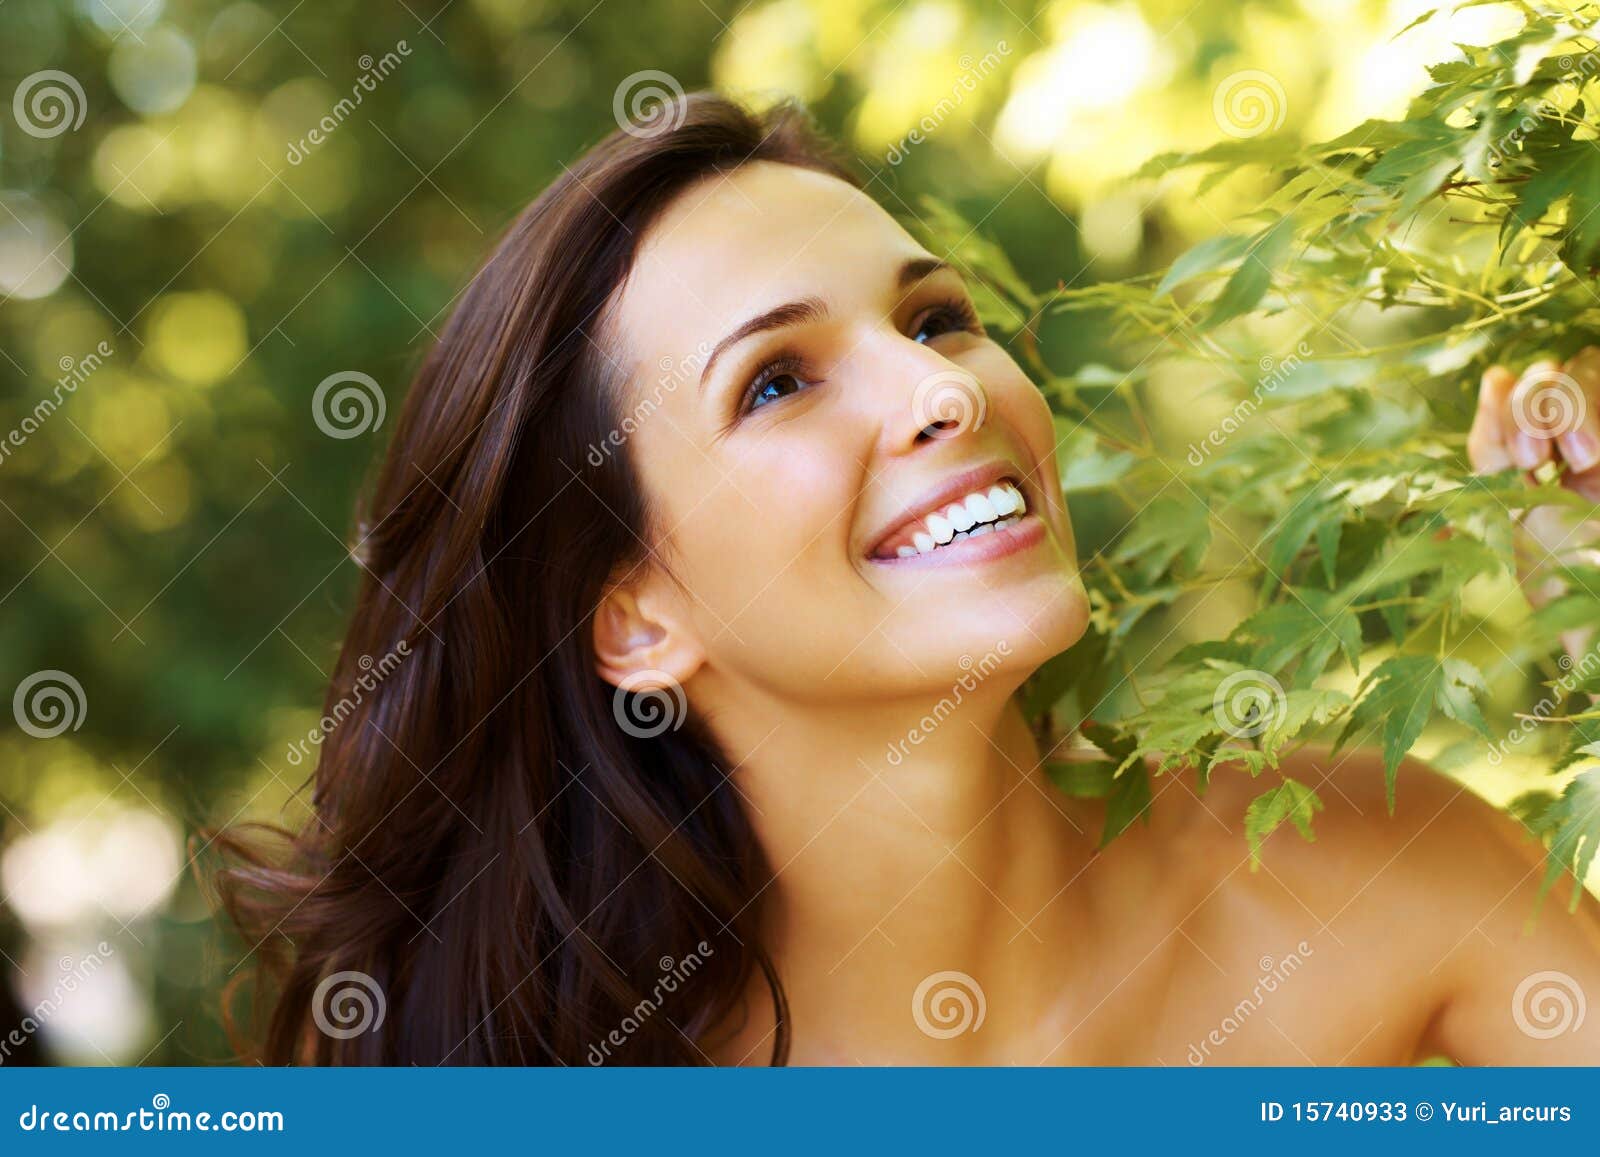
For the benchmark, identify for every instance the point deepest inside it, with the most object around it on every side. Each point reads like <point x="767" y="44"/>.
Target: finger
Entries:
<point x="1580" y="443"/>
<point x="1537" y="403"/>
<point x="1487" y="448"/>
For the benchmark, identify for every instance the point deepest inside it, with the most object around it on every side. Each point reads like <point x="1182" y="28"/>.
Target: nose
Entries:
<point x="936" y="398"/>
<point x="948" y="403"/>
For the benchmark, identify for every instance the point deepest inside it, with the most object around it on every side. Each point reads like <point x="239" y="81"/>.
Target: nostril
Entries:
<point x="940" y="429"/>
<point x="948" y="403"/>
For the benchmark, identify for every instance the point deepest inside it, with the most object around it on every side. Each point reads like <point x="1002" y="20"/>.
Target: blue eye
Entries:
<point x="777" y="387"/>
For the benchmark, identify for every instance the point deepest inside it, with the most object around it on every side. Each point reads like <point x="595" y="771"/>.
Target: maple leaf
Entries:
<point x="1573" y="822"/>
<point x="1290" y="800"/>
<point x="1403" y="694"/>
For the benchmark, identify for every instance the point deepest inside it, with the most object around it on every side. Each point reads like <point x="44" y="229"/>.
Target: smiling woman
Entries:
<point x="641" y="791"/>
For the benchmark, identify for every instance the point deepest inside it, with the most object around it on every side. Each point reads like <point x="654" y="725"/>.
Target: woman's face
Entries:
<point x="833" y="449"/>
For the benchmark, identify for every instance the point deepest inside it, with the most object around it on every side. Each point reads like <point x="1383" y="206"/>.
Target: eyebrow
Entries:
<point x="810" y="309"/>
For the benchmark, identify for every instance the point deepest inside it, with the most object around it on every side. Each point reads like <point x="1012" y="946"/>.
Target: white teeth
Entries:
<point x="979" y="513"/>
<point x="1005" y="500"/>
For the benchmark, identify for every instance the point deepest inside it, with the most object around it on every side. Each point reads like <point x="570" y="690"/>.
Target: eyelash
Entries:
<point x="958" y="311"/>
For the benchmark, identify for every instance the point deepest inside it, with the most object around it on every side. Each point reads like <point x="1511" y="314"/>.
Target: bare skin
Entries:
<point x="813" y="651"/>
<point x="1388" y="941"/>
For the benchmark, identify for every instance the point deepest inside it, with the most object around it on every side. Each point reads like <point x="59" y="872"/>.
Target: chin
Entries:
<point x="1005" y="633"/>
<point x="1044" y="618"/>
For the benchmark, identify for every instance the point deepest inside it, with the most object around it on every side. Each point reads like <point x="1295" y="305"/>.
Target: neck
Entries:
<point x="895" y="859"/>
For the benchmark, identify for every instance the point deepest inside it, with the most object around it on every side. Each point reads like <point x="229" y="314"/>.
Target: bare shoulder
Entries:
<point x="1442" y="851"/>
<point x="1439" y="837"/>
<point x="1438" y="901"/>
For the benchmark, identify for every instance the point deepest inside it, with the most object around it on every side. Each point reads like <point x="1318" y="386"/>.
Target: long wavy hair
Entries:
<point x="495" y="865"/>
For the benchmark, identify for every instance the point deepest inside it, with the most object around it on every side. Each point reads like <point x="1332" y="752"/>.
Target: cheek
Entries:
<point x="1027" y="415"/>
<point x="1023" y="406"/>
<point x="757" y="527"/>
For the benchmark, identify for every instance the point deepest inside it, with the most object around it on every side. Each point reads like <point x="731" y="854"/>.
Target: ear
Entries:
<point x="643" y="634"/>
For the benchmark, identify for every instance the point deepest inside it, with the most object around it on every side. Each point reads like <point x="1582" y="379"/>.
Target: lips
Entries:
<point x="971" y="504"/>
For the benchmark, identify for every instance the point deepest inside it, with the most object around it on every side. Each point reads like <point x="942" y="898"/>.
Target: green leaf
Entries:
<point x="1574" y="824"/>
<point x="1309" y="626"/>
<point x="962" y="242"/>
<point x="1290" y="800"/>
<point x="1301" y="708"/>
<point x="1291" y="533"/>
<point x="1085" y="779"/>
<point x="1415" y="169"/>
<point x="1085" y="466"/>
<point x="1456" y="560"/>
<point x="1171" y="534"/>
<point x="1423" y="19"/>
<point x="1581" y="743"/>
<point x="1570" y="170"/>
<point x="1253" y="278"/>
<point x="1128" y="800"/>
<point x="1403" y="694"/>
<point x="1082" y="665"/>
<point x="1209" y="256"/>
<point x="1119" y="746"/>
<point x="1328" y="532"/>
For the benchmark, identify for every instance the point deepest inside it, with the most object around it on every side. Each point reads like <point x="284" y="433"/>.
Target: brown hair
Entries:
<point x="514" y="873"/>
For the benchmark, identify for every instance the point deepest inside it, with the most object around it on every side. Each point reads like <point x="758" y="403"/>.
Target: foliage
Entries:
<point x="1339" y="483"/>
<point x="230" y="281"/>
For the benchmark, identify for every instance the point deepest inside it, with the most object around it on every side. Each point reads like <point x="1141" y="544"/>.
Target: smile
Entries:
<point x="989" y="520"/>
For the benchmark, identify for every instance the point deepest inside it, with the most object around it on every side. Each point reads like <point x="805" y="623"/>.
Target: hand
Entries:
<point x="1550" y="414"/>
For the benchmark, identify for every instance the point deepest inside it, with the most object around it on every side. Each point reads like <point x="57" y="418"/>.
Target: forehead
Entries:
<point x="736" y="244"/>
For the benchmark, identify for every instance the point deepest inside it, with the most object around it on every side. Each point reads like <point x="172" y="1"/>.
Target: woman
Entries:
<point x="711" y="489"/>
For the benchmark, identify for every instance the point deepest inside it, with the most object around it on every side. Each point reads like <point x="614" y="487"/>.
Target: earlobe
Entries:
<point x="637" y="633"/>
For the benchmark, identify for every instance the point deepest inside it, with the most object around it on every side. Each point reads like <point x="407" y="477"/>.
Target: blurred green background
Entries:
<point x="181" y="265"/>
